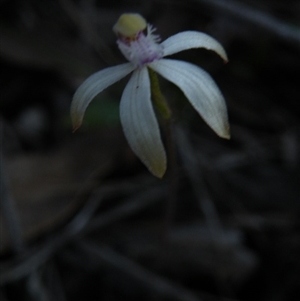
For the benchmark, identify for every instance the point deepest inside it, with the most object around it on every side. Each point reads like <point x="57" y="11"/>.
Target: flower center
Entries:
<point x="137" y="47"/>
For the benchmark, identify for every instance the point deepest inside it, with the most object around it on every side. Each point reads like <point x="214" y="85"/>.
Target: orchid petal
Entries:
<point x="200" y="89"/>
<point x="192" y="39"/>
<point x="139" y="123"/>
<point x="92" y="86"/>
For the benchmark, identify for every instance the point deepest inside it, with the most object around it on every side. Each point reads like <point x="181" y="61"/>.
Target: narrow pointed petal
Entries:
<point x="192" y="39"/>
<point x="200" y="89"/>
<point x="92" y="86"/>
<point x="139" y="123"/>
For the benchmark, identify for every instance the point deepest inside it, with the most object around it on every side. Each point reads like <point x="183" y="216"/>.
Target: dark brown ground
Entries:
<point x="82" y="219"/>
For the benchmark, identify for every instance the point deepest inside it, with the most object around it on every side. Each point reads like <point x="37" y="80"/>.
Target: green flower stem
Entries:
<point x="158" y="99"/>
<point x="162" y="107"/>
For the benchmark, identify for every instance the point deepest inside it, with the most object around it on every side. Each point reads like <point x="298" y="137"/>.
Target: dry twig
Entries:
<point x="256" y="17"/>
<point x="154" y="282"/>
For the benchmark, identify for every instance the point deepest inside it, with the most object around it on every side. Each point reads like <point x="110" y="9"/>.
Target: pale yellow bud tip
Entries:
<point x="129" y="24"/>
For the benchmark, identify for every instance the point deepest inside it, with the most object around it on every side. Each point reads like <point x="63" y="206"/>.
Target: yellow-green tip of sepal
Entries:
<point x="129" y="24"/>
<point x="158" y="169"/>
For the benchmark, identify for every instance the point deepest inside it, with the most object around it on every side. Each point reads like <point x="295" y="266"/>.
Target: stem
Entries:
<point x="158" y="99"/>
<point x="161" y="105"/>
<point x="173" y="179"/>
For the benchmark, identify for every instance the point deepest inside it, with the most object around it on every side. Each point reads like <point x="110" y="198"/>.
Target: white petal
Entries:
<point x="92" y="86"/>
<point x="200" y="89"/>
<point x="192" y="39"/>
<point x="139" y="123"/>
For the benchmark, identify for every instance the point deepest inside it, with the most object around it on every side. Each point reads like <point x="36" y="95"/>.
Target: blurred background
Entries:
<point x="82" y="218"/>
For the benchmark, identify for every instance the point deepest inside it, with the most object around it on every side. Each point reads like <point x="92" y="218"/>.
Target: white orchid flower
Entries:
<point x="137" y="115"/>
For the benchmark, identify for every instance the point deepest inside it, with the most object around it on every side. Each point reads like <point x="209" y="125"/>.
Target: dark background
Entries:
<point x="82" y="219"/>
